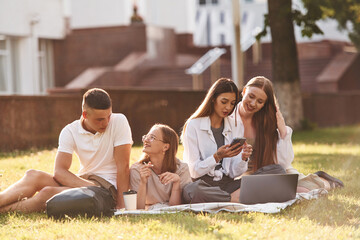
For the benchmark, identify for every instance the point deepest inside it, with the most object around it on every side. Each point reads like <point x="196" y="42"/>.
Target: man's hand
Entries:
<point x="122" y="158"/>
<point x="62" y="174"/>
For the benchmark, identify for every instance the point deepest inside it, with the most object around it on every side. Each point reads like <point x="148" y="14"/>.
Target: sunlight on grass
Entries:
<point x="335" y="216"/>
<point x="327" y="149"/>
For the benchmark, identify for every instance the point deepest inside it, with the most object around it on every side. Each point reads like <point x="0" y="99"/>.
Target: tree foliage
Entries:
<point x="345" y="12"/>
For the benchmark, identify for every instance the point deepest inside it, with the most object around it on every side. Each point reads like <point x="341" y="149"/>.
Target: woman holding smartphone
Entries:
<point x="206" y="137"/>
<point x="260" y="121"/>
<point x="159" y="176"/>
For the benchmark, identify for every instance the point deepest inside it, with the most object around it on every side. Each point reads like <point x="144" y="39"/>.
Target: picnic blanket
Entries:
<point x="216" y="207"/>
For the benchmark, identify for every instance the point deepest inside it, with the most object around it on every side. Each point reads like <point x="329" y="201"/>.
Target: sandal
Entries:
<point x="334" y="182"/>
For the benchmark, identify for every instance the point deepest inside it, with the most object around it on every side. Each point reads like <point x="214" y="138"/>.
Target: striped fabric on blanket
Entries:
<point x="228" y="207"/>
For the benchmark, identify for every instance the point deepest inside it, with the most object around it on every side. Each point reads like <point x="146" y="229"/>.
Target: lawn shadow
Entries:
<point x="8" y="217"/>
<point x="340" y="164"/>
<point x="4" y="218"/>
<point x="193" y="223"/>
<point x="23" y="153"/>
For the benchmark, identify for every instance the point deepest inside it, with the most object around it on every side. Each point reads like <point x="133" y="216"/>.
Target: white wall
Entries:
<point x="23" y="23"/>
<point x="100" y="13"/>
<point x="17" y="16"/>
<point x="176" y="14"/>
<point x="13" y="18"/>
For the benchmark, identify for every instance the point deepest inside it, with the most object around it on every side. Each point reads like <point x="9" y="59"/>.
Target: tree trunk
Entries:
<point x="285" y="71"/>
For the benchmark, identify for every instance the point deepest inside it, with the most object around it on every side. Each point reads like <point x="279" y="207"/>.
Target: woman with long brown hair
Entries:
<point x="260" y="121"/>
<point x="207" y="137"/>
<point x="159" y="176"/>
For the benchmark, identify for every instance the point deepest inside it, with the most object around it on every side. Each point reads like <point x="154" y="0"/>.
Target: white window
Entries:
<point x="12" y="81"/>
<point x="9" y="65"/>
<point x="5" y="66"/>
<point x="15" y="66"/>
<point x="46" y="78"/>
<point x="208" y="2"/>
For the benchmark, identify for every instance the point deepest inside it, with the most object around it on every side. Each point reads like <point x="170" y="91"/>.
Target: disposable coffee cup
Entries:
<point x="130" y="199"/>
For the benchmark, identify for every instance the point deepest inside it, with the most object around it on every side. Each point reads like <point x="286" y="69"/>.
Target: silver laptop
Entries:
<point x="268" y="188"/>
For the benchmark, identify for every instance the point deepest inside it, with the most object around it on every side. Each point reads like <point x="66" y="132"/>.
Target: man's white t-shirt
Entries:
<point x="96" y="151"/>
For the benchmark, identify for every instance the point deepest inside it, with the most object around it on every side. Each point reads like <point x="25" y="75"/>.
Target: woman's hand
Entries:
<point x="227" y="151"/>
<point x="280" y="123"/>
<point x="247" y="151"/>
<point x="168" y="177"/>
<point x="145" y="172"/>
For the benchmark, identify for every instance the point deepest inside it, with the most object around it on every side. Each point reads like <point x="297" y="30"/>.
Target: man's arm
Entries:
<point x="122" y="158"/>
<point x="64" y="176"/>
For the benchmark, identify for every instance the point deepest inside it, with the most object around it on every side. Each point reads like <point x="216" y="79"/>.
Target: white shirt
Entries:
<point x="284" y="148"/>
<point x="200" y="146"/>
<point x="96" y="151"/>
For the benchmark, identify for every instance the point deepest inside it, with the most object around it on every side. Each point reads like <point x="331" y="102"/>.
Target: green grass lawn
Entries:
<point x="337" y="216"/>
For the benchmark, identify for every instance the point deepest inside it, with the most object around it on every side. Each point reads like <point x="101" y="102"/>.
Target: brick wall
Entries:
<point x="36" y="121"/>
<point x="332" y="109"/>
<point x="94" y="48"/>
<point x="351" y="79"/>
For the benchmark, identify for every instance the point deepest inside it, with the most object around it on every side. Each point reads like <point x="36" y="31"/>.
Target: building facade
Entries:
<point x="27" y="29"/>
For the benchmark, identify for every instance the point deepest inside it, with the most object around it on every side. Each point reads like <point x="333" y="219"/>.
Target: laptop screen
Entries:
<point x="268" y="188"/>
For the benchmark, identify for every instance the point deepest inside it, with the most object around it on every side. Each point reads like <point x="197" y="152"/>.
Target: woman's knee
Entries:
<point x="302" y="190"/>
<point x="194" y="192"/>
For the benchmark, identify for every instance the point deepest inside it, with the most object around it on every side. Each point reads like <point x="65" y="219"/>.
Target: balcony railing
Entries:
<point x="209" y="59"/>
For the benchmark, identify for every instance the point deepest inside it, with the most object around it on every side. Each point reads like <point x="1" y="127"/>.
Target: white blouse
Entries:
<point x="200" y="146"/>
<point x="284" y="149"/>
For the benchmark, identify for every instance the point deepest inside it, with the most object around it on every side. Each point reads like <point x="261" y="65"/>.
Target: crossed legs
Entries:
<point x="30" y="193"/>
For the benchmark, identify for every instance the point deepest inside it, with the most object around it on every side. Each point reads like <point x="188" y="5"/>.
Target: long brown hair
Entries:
<point x="206" y="108"/>
<point x="265" y="125"/>
<point x="169" y="136"/>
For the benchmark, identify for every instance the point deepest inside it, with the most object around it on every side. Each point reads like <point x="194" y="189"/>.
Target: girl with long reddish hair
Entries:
<point x="260" y="121"/>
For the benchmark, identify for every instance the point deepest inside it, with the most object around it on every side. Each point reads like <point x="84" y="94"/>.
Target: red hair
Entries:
<point x="265" y="125"/>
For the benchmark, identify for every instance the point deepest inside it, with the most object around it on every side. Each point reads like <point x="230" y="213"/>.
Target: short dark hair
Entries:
<point x="96" y="98"/>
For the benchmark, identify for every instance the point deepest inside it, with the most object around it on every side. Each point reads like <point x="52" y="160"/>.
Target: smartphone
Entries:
<point x="238" y="140"/>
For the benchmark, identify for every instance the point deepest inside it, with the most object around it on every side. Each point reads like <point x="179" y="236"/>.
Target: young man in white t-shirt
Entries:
<point x="102" y="140"/>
